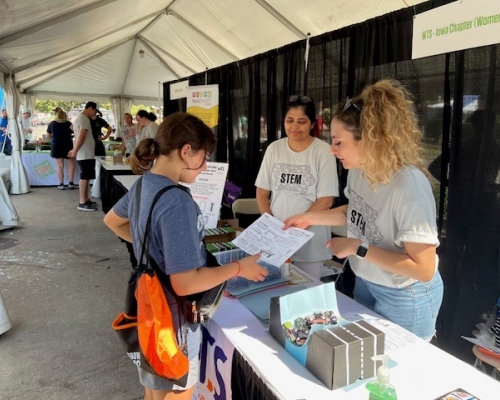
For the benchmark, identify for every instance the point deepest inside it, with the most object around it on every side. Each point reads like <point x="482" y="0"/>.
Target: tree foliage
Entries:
<point x="47" y="106"/>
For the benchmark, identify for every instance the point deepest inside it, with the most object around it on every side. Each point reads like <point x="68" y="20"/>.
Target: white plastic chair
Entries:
<point x="246" y="211"/>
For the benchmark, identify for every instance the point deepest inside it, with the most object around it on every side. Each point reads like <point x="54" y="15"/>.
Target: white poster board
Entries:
<point x="178" y="90"/>
<point x="203" y="101"/>
<point x="207" y="191"/>
<point x="456" y="26"/>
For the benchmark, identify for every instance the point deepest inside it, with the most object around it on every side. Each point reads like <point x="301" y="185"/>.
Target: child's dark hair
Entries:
<point x="149" y="115"/>
<point x="174" y="132"/>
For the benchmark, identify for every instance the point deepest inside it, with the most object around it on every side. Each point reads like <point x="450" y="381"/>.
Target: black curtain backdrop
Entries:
<point x="456" y="96"/>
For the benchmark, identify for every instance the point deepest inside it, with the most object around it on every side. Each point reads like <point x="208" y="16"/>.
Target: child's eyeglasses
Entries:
<point x="349" y="103"/>
<point x="299" y="99"/>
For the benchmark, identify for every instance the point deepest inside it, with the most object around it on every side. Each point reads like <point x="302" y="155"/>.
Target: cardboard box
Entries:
<point x="341" y="355"/>
<point x="217" y="235"/>
<point x="337" y="355"/>
<point x="334" y="357"/>
<point x="221" y="246"/>
<point x="232" y="223"/>
<point x="117" y="159"/>
<point x="275" y="325"/>
<point x="373" y="342"/>
<point x="300" y="304"/>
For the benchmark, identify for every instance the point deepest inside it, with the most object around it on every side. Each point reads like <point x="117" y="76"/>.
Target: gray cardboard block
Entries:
<point x="324" y="354"/>
<point x="275" y="326"/>
<point x="379" y="338"/>
<point x="334" y="357"/>
<point x="372" y="343"/>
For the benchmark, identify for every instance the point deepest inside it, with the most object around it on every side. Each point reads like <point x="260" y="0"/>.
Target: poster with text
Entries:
<point x="207" y="191"/>
<point x="203" y="101"/>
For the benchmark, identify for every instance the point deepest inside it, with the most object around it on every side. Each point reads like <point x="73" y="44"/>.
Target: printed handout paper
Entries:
<point x="266" y="236"/>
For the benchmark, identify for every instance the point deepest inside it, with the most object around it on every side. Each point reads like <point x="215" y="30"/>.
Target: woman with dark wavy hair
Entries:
<point x="147" y="121"/>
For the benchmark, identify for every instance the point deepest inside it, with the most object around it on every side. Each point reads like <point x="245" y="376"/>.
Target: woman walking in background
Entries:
<point x="60" y="133"/>
<point x="128" y="132"/>
<point x="147" y="121"/>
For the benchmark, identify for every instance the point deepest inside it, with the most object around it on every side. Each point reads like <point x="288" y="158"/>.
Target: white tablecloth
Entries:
<point x="42" y="169"/>
<point x="423" y="371"/>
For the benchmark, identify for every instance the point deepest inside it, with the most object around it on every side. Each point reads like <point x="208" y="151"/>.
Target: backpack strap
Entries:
<point x="144" y="250"/>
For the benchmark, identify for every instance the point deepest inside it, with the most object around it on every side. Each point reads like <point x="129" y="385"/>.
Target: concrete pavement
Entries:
<point x="63" y="276"/>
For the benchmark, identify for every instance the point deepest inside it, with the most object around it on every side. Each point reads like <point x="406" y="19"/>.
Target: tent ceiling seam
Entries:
<point x="137" y="21"/>
<point x="152" y="22"/>
<point x="52" y="21"/>
<point x="128" y="68"/>
<point x="89" y="95"/>
<point x="160" y="60"/>
<point x="78" y="63"/>
<point x="276" y="14"/>
<point x="154" y="46"/>
<point x="203" y="34"/>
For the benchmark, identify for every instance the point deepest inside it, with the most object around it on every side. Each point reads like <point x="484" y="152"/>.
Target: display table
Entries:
<point x="111" y="145"/>
<point x="42" y="169"/>
<point x="120" y="185"/>
<point x="123" y="185"/>
<point x="262" y="369"/>
<point x="240" y="359"/>
<point x="106" y="172"/>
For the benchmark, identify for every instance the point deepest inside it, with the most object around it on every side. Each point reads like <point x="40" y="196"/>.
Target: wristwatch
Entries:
<point x="363" y="248"/>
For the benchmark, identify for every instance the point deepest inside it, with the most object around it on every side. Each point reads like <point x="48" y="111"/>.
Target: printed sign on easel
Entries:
<point x="207" y="191"/>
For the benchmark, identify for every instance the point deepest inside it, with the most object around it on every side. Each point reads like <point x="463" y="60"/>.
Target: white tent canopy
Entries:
<point x="94" y="50"/>
<point x="121" y="51"/>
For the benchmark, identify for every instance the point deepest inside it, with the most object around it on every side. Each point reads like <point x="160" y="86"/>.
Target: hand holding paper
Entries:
<point x="267" y="236"/>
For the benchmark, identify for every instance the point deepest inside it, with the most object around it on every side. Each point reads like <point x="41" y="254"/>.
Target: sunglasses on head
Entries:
<point x="299" y="99"/>
<point x="349" y="103"/>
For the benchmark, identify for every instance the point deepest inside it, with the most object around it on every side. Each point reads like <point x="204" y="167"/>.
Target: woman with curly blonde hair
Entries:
<point x="391" y="216"/>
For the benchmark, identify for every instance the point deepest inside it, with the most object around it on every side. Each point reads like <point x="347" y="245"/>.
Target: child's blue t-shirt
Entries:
<point x="176" y="237"/>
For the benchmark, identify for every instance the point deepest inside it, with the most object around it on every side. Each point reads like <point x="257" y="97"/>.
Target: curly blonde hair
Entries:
<point x="383" y="117"/>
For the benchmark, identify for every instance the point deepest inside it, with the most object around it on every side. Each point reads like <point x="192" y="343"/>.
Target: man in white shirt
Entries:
<point x="27" y="128"/>
<point x="83" y="150"/>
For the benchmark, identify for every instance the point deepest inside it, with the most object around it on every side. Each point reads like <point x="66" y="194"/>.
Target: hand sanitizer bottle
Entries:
<point x="380" y="388"/>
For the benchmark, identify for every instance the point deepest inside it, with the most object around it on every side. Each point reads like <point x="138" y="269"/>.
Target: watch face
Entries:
<point x="361" y="252"/>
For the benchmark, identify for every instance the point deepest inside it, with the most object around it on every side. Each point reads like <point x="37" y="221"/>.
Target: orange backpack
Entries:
<point x="146" y="328"/>
<point x="156" y="333"/>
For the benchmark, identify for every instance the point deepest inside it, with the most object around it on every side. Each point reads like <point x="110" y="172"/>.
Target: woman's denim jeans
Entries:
<point x="414" y="307"/>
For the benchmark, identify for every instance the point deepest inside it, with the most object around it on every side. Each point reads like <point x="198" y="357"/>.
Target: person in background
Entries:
<point x="391" y="216"/>
<point x="84" y="151"/>
<point x="299" y="174"/>
<point x="27" y="128"/>
<point x="98" y="123"/>
<point x="60" y="133"/>
<point x="177" y="153"/>
<point x="128" y="132"/>
<point x="147" y="121"/>
<point x="5" y="141"/>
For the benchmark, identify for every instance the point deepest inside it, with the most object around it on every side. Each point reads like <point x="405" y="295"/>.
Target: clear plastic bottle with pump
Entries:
<point x="380" y="388"/>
